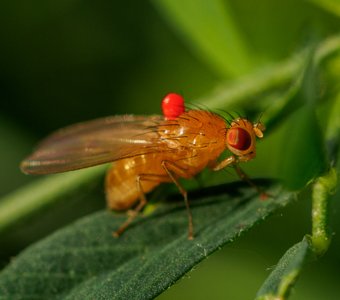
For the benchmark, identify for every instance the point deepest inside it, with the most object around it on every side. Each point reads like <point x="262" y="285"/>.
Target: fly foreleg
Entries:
<point x="172" y="170"/>
<point x="233" y="162"/>
<point x="224" y="163"/>
<point x="245" y="177"/>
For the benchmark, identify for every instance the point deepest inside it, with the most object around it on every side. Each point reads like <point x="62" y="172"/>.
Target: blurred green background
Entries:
<point x="67" y="61"/>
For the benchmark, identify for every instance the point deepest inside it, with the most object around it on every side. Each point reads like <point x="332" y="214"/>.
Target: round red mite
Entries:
<point x="172" y="106"/>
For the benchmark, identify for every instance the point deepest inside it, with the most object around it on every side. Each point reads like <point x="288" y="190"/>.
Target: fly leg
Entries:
<point x="224" y="163"/>
<point x="244" y="177"/>
<point x="172" y="170"/>
<point x="132" y="214"/>
<point x="233" y="161"/>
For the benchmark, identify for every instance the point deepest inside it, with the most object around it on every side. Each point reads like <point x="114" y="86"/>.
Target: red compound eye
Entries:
<point x="238" y="138"/>
<point x="172" y="106"/>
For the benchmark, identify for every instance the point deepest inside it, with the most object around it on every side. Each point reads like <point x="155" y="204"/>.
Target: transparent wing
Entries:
<point x="95" y="142"/>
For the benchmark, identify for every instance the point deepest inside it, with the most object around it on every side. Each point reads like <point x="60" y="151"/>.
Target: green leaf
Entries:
<point x="333" y="130"/>
<point x="332" y="6"/>
<point x="210" y="30"/>
<point x="84" y="261"/>
<point x="303" y="156"/>
<point x="283" y="277"/>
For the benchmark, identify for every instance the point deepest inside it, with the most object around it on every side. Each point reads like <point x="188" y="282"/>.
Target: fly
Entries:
<point x="148" y="150"/>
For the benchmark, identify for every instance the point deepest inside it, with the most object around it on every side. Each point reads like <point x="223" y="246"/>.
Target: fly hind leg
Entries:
<point x="132" y="214"/>
<point x="173" y="170"/>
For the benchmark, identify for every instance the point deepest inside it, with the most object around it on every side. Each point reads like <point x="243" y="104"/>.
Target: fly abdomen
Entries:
<point x="122" y="186"/>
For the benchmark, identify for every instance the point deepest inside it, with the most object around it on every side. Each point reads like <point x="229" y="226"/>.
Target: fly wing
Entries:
<point x="95" y="142"/>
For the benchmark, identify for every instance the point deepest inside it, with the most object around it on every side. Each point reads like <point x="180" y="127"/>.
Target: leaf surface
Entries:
<point x="283" y="277"/>
<point x="84" y="261"/>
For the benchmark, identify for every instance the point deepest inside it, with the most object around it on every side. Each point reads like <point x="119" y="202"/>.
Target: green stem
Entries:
<point x="242" y="91"/>
<point x="33" y="197"/>
<point x="323" y="187"/>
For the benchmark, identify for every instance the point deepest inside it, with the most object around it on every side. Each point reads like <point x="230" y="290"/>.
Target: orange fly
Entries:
<point x="148" y="150"/>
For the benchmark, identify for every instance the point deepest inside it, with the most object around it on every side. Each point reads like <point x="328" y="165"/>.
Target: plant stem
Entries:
<point x="278" y="75"/>
<point x="323" y="187"/>
<point x="33" y="197"/>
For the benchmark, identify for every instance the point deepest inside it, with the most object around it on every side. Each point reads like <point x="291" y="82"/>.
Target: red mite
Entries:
<point x="148" y="150"/>
<point x="172" y="106"/>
